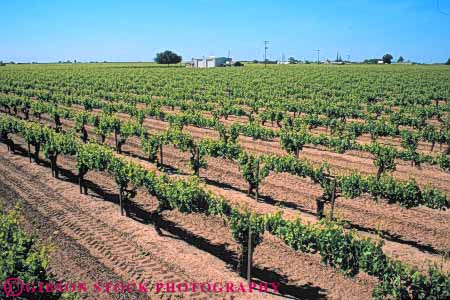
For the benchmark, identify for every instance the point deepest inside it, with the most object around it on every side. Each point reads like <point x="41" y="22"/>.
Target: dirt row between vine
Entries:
<point x="422" y="146"/>
<point x="346" y="163"/>
<point x="130" y="248"/>
<point x="340" y="163"/>
<point x="410" y="234"/>
<point x="405" y="231"/>
<point x="192" y="248"/>
<point x="69" y="261"/>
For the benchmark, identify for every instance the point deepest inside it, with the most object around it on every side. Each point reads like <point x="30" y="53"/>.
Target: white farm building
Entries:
<point x="210" y="62"/>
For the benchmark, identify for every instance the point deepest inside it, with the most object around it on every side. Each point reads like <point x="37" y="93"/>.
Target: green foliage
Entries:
<point x="220" y="149"/>
<point x="150" y="145"/>
<point x="387" y="58"/>
<point x="384" y="158"/>
<point x="409" y="142"/>
<point x="254" y="130"/>
<point x="293" y="141"/>
<point x="253" y="169"/>
<point x="20" y="255"/>
<point x="338" y="248"/>
<point x="241" y="221"/>
<point x="382" y="100"/>
<point x="167" y="57"/>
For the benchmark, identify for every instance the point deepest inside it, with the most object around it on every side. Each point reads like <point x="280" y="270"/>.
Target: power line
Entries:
<point x="318" y="53"/>
<point x="266" y="46"/>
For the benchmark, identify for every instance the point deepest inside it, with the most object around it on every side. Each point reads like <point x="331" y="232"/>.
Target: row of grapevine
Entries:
<point x="408" y="193"/>
<point x="292" y="137"/>
<point x="343" y="250"/>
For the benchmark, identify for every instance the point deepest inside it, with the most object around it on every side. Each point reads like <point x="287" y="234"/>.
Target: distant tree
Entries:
<point x="448" y="62"/>
<point x="387" y="58"/>
<point x="400" y="59"/>
<point x="292" y="60"/>
<point x="255" y="61"/>
<point x="167" y="57"/>
<point x="238" y="64"/>
<point x="371" y="61"/>
<point x="2" y="63"/>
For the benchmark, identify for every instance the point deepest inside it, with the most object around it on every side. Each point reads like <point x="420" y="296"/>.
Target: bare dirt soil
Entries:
<point x="192" y="247"/>
<point x="417" y="236"/>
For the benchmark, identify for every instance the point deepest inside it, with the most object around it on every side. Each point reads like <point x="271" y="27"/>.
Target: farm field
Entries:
<point x="340" y="173"/>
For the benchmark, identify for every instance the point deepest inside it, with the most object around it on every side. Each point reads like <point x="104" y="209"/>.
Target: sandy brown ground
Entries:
<point x="340" y="163"/>
<point x="423" y="146"/>
<point x="69" y="262"/>
<point x="346" y="163"/>
<point x="417" y="226"/>
<point x="221" y="181"/>
<point x="192" y="247"/>
<point x="417" y="236"/>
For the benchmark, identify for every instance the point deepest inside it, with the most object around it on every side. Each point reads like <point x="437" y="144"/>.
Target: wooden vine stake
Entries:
<point x="115" y="141"/>
<point x="161" y="161"/>
<point x="197" y="159"/>
<point x="80" y="182"/>
<point x="121" y="200"/>
<point x="333" y="198"/>
<point x="29" y="152"/>
<point x="249" y="250"/>
<point x="257" y="180"/>
<point x="83" y="186"/>
<point x="320" y="207"/>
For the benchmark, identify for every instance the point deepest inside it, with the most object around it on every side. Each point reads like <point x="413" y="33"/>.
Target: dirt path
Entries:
<point x="131" y="250"/>
<point x="340" y="163"/>
<point x="191" y="245"/>
<point x="424" y="228"/>
<point x="416" y="236"/>
<point x="415" y="252"/>
<point x="69" y="261"/>
<point x="345" y="163"/>
<point x="422" y="147"/>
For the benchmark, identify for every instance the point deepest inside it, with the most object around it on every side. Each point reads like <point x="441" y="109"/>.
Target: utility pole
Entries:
<point x="318" y="53"/>
<point x="266" y="46"/>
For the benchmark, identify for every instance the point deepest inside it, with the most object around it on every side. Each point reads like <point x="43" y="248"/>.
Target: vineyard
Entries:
<point x="334" y="181"/>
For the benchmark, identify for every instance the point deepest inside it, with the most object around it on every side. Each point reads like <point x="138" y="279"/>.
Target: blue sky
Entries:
<point x="134" y="30"/>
